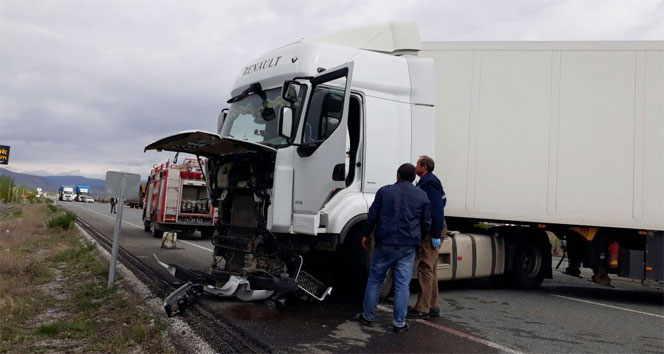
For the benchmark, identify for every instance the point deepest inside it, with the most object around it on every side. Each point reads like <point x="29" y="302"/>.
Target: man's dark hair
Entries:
<point x="427" y="162"/>
<point x="406" y="172"/>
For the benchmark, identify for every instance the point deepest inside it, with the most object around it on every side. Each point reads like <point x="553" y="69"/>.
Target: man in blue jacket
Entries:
<point x="398" y="213"/>
<point x="427" y="300"/>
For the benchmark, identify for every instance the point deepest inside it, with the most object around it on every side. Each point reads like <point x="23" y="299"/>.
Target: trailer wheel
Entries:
<point x="529" y="268"/>
<point x="155" y="233"/>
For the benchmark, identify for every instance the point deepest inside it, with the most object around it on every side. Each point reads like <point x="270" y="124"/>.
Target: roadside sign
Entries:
<point x="120" y="185"/>
<point x="131" y="184"/>
<point x="4" y="155"/>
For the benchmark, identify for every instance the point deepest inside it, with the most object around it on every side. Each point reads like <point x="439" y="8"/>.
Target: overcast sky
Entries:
<point x="85" y="85"/>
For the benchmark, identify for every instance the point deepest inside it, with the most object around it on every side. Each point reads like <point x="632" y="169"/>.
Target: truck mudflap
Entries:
<point x="249" y="288"/>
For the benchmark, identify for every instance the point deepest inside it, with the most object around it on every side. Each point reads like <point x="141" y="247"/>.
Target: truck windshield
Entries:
<point x="254" y="118"/>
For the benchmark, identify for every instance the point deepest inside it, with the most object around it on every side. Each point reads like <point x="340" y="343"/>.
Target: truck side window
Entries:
<point x="323" y="115"/>
<point x="354" y="126"/>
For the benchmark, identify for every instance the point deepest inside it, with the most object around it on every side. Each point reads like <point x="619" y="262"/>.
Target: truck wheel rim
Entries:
<point x="532" y="261"/>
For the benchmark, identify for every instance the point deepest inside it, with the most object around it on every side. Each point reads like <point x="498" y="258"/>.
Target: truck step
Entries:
<point x="312" y="286"/>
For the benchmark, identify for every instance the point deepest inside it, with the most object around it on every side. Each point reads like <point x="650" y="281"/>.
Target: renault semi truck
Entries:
<point x="534" y="138"/>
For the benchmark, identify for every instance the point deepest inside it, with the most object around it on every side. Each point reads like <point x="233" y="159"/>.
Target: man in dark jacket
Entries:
<point x="427" y="301"/>
<point x="398" y="213"/>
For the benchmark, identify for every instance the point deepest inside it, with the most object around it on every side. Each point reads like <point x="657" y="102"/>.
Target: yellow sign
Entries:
<point x="4" y="155"/>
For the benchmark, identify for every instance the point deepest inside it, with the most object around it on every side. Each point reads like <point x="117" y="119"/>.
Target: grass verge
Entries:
<point x="53" y="295"/>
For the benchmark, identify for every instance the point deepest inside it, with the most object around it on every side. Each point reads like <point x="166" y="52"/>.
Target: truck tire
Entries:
<point x="155" y="233"/>
<point x="146" y="226"/>
<point x="207" y="233"/>
<point x="354" y="265"/>
<point x="529" y="265"/>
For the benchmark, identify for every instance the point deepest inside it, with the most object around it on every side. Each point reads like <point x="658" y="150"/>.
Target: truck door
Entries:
<point x="319" y="165"/>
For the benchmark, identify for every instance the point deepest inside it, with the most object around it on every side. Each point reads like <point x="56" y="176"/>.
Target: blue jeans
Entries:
<point x="400" y="259"/>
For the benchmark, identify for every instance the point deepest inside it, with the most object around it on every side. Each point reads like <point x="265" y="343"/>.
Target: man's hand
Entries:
<point x="366" y="242"/>
<point x="435" y="242"/>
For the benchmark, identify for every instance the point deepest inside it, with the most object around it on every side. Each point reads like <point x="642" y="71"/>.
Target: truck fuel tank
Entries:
<point x="464" y="256"/>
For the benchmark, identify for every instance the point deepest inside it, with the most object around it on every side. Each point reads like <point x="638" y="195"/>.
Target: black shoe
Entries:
<point x="360" y="318"/>
<point x="434" y="313"/>
<point x="400" y="329"/>
<point x="414" y="315"/>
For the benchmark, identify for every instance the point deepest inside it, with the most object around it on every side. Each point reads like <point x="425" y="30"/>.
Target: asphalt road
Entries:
<point x="565" y="315"/>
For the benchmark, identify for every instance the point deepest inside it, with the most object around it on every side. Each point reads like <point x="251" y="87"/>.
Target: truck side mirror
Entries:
<point x="286" y="122"/>
<point x="221" y="119"/>
<point x="291" y="91"/>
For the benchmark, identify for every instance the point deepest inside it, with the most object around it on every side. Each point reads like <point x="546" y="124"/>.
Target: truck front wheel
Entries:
<point x="529" y="267"/>
<point x="146" y="226"/>
<point x="354" y="265"/>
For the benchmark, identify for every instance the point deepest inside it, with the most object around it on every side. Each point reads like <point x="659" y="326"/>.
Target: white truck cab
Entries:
<point x="290" y="161"/>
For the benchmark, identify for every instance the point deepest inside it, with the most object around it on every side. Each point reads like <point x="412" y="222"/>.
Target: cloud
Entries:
<point x="85" y="85"/>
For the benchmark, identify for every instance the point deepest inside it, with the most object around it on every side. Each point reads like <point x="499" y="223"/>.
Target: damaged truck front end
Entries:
<point x="250" y="262"/>
<point x="273" y="164"/>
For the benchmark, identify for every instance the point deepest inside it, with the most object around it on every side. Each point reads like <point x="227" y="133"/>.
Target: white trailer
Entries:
<point x="564" y="137"/>
<point x="551" y="132"/>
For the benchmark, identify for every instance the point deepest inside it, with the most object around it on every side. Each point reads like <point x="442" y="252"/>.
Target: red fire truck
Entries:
<point x="176" y="199"/>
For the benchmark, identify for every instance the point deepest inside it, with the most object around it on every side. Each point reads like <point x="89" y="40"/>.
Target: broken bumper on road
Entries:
<point x="244" y="288"/>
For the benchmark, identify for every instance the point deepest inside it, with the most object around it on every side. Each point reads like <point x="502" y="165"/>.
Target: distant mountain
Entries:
<point x="30" y="181"/>
<point x="96" y="185"/>
<point x="52" y="183"/>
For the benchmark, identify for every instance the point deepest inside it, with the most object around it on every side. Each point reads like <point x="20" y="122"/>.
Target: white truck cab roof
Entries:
<point x="366" y="47"/>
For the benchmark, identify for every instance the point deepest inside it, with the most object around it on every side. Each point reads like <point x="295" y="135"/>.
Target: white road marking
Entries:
<point x="108" y="216"/>
<point x="195" y="245"/>
<point x="459" y="334"/>
<point x="141" y="227"/>
<point x="469" y="337"/>
<point x="610" y="306"/>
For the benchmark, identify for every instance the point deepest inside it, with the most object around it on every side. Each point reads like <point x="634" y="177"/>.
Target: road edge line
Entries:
<point x="610" y="306"/>
<point x="469" y="337"/>
<point x="457" y="333"/>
